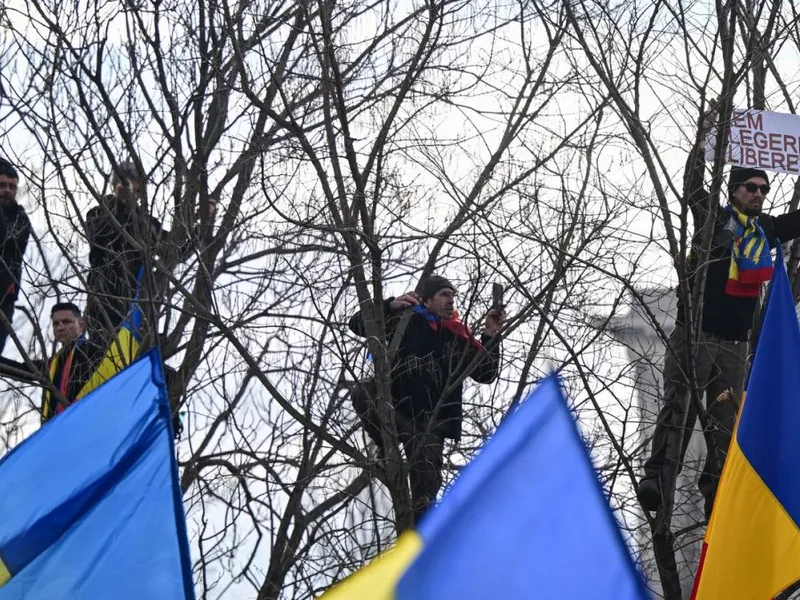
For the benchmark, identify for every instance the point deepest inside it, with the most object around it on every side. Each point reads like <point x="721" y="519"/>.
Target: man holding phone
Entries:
<point x="437" y="352"/>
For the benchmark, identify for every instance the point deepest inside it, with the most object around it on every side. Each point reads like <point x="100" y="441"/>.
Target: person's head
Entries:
<point x="127" y="183"/>
<point x="438" y="296"/>
<point x="67" y="322"/>
<point x="748" y="188"/>
<point x="9" y="180"/>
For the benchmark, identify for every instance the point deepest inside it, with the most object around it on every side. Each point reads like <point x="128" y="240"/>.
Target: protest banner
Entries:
<point x="762" y="140"/>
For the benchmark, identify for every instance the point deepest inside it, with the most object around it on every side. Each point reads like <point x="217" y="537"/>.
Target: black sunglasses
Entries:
<point x="752" y="187"/>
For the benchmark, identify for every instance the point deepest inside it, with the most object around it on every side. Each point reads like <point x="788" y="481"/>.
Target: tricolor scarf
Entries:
<point x="66" y="372"/>
<point x="67" y="355"/>
<point x="454" y="325"/>
<point x="751" y="263"/>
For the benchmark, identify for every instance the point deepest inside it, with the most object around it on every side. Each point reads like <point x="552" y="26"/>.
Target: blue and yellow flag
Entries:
<point x="91" y="505"/>
<point x="752" y="544"/>
<point x="122" y="350"/>
<point x="526" y="519"/>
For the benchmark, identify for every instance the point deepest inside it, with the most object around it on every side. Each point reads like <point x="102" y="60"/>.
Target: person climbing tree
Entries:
<point x="738" y="263"/>
<point x="116" y="263"/>
<point x="124" y="240"/>
<point x="15" y="229"/>
<point x="436" y="353"/>
<point x="78" y="366"/>
<point x="69" y="369"/>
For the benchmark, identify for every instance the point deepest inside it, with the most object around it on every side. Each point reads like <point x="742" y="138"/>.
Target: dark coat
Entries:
<point x="728" y="316"/>
<point x="15" y="229"/>
<point x="115" y="264"/>
<point x="427" y="363"/>
<point x="85" y="361"/>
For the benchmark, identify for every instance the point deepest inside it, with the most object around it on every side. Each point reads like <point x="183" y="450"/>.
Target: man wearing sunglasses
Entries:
<point x="739" y="262"/>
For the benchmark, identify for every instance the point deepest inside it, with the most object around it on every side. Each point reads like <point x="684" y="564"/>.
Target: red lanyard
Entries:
<point x="63" y="384"/>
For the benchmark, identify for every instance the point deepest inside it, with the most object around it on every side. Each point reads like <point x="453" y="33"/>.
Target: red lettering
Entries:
<point x="792" y="158"/>
<point x="776" y="142"/>
<point x="749" y="156"/>
<point x="755" y="121"/>
<point x="763" y="158"/>
<point x="746" y="137"/>
<point x="737" y="120"/>
<point x="760" y="139"/>
<point x="790" y="143"/>
<point x="778" y="160"/>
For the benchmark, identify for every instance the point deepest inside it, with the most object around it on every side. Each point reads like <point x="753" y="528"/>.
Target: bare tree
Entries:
<point x="319" y="157"/>
<point x="726" y="50"/>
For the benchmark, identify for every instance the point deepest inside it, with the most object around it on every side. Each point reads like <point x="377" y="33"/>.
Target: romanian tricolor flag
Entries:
<point x="752" y="544"/>
<point x="526" y="519"/>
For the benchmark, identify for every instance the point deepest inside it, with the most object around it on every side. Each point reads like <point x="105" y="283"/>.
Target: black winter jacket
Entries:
<point x="728" y="316"/>
<point x="15" y="228"/>
<point x="85" y="361"/>
<point x="427" y="363"/>
<point x="115" y="263"/>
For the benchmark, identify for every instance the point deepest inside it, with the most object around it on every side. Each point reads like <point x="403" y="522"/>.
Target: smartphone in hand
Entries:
<point x="497" y="297"/>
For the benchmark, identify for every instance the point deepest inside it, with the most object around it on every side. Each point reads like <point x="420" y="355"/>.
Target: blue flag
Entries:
<point x="526" y="519"/>
<point x="91" y="506"/>
<point x="753" y="539"/>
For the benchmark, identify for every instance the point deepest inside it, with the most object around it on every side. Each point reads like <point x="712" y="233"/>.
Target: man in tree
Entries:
<point x="436" y="353"/>
<point x="117" y="265"/>
<point x="15" y="228"/>
<point x="77" y="367"/>
<point x="739" y="262"/>
<point x="70" y="369"/>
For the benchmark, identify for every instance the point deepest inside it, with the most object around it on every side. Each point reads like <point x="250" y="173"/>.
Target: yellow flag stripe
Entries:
<point x="748" y="249"/>
<point x="5" y="575"/>
<point x="121" y="353"/>
<point x="378" y="580"/>
<point x="753" y="543"/>
<point x="733" y="270"/>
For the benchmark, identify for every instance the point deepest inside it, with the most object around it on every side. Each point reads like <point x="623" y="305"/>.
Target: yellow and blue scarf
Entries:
<point x="751" y="263"/>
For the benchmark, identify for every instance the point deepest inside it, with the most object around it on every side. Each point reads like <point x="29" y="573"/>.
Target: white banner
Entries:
<point x="762" y="140"/>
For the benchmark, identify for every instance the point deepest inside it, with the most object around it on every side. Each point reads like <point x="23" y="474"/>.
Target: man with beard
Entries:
<point x="738" y="264"/>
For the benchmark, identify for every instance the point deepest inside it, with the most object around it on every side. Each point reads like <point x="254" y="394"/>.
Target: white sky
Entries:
<point x="666" y="110"/>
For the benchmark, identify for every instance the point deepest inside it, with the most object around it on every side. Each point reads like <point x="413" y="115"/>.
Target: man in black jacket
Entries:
<point x="15" y="228"/>
<point x="738" y="263"/>
<point x="116" y="265"/>
<point x="69" y="369"/>
<point x="436" y="353"/>
<point x="77" y="368"/>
